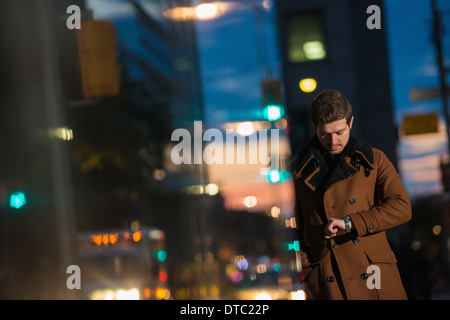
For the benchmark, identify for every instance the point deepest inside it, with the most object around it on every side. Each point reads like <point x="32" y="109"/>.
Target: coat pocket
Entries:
<point x="311" y="267"/>
<point x="315" y="219"/>
<point x="380" y="256"/>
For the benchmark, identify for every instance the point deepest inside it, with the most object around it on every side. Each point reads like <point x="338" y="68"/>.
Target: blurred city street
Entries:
<point x="146" y="145"/>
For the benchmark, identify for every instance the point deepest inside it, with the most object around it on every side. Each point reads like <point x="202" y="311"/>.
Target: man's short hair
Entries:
<point x="329" y="106"/>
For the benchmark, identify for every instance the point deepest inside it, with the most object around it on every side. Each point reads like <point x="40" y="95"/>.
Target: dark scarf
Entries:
<point x="333" y="169"/>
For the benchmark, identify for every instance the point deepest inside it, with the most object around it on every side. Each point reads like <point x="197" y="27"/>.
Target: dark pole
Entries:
<point x="440" y="60"/>
<point x="58" y="151"/>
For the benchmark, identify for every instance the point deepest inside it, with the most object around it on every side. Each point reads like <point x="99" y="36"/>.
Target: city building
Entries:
<point x="327" y="44"/>
<point x="87" y="151"/>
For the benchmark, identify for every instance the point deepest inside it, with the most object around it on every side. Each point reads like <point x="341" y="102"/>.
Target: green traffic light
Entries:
<point x="275" y="176"/>
<point x="160" y="255"/>
<point x="17" y="199"/>
<point x="273" y="112"/>
<point x="291" y="245"/>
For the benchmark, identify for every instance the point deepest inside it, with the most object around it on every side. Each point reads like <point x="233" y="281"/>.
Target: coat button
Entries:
<point x="335" y="245"/>
<point x="364" y="276"/>
<point x="330" y="279"/>
<point x="352" y="201"/>
<point x="356" y="240"/>
<point x="371" y="228"/>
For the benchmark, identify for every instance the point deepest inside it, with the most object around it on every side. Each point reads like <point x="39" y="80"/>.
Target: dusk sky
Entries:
<point x="233" y="61"/>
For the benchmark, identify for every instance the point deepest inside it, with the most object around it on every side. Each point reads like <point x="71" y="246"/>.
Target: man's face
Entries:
<point x="334" y="136"/>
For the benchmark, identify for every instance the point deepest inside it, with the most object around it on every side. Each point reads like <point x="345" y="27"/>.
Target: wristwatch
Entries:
<point x="347" y="224"/>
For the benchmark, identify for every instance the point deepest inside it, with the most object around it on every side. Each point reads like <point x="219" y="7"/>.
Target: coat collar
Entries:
<point x="312" y="163"/>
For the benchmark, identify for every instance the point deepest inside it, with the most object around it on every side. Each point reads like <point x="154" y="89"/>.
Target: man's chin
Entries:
<point x="334" y="151"/>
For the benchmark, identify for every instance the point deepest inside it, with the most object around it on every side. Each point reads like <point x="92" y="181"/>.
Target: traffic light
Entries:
<point x="100" y="72"/>
<point x="272" y="99"/>
<point x="275" y="176"/>
<point x="291" y="245"/>
<point x="17" y="199"/>
<point x="160" y="255"/>
<point x="273" y="112"/>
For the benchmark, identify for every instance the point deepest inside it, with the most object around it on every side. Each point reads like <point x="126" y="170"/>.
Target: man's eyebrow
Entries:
<point x="341" y="130"/>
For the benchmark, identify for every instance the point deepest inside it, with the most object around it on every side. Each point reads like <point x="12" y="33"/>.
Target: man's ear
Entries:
<point x="351" y="122"/>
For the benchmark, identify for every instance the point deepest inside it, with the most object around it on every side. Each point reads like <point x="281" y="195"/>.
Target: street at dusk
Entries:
<point x="175" y="150"/>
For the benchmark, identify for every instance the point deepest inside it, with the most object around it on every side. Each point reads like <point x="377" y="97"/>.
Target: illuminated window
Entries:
<point x="305" y="37"/>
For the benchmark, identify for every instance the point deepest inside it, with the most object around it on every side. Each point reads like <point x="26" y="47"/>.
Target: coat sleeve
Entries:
<point x="394" y="207"/>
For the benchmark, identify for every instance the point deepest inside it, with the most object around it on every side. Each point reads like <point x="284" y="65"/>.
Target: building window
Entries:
<point x="306" y="39"/>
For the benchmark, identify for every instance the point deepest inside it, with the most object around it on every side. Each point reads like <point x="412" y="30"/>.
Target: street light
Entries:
<point x="203" y="11"/>
<point x="308" y="85"/>
<point x="206" y="11"/>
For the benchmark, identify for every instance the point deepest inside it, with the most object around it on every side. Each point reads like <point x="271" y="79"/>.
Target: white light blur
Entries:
<point x="212" y="189"/>
<point x="250" y="201"/>
<point x="206" y="11"/>
<point x="245" y="128"/>
<point x="132" y="294"/>
<point x="115" y="294"/>
<point x="298" y="295"/>
<point x="263" y="296"/>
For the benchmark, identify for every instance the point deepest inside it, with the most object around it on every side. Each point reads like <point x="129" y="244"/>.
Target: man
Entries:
<point x="347" y="195"/>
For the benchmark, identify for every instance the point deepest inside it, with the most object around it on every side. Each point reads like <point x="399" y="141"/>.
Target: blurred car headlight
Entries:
<point x="118" y="294"/>
<point x="263" y="296"/>
<point x="132" y="294"/>
<point x="298" y="295"/>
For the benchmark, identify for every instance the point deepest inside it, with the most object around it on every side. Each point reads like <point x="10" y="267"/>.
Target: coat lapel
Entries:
<point x="311" y="165"/>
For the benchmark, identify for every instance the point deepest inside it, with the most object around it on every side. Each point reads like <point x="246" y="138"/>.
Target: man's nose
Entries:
<point x="334" y="139"/>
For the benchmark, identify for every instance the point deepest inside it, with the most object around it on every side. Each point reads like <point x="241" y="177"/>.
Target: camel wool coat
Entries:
<point x="362" y="183"/>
